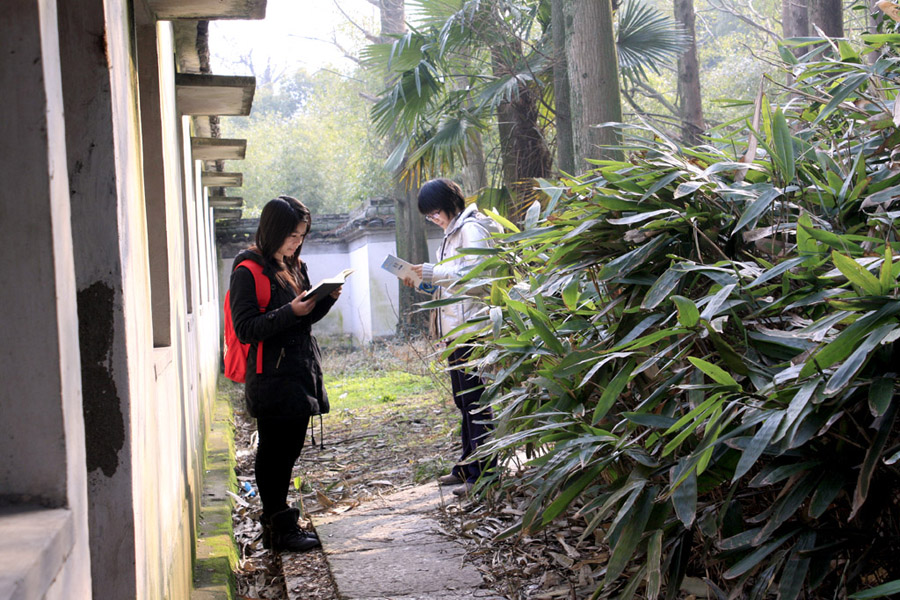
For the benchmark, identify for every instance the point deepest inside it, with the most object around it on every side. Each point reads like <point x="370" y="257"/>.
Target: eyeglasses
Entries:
<point x="433" y="216"/>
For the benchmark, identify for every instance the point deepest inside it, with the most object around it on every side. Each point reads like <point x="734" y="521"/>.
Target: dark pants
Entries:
<point x="280" y="442"/>
<point x="467" y="388"/>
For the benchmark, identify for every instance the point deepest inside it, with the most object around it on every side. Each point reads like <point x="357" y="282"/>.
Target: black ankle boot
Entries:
<point x="286" y="535"/>
<point x="266" y="523"/>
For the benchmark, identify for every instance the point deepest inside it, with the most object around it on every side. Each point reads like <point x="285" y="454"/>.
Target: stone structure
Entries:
<point x="110" y="302"/>
<point x="360" y="240"/>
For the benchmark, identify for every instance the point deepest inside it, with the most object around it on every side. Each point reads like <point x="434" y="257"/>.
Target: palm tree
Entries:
<point x="468" y="66"/>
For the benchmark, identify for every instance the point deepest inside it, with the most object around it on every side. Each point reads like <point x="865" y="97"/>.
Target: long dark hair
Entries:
<point x="280" y="217"/>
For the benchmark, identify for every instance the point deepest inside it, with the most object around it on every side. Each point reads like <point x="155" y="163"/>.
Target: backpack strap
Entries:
<point x="263" y="296"/>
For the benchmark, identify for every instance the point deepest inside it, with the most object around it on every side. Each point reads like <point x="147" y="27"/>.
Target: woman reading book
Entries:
<point x="286" y="389"/>
<point x="441" y="201"/>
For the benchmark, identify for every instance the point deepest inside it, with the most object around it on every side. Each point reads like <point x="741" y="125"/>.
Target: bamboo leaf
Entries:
<point x="715" y="303"/>
<point x="791" y="583"/>
<point x="784" y="146"/>
<point x="544" y="332"/>
<point x="565" y="498"/>
<point x="857" y="359"/>
<point x="856" y="273"/>
<point x="843" y="91"/>
<point x="758" y="444"/>
<point x="714" y="372"/>
<point x="828" y="489"/>
<point x="844" y="344"/>
<point x="570" y="295"/>
<point x="507" y="224"/>
<point x="688" y="315"/>
<point x="661" y="288"/>
<point x="832" y="240"/>
<point x="880" y="394"/>
<point x="687" y="188"/>
<point x="627" y="262"/>
<point x="885" y="423"/>
<point x="654" y="562"/>
<point x="612" y="391"/>
<point x="754" y="558"/>
<point x="885" y="590"/>
<point x="631" y="536"/>
<point x="684" y="497"/>
<point x="886" y="278"/>
<point x="756" y="208"/>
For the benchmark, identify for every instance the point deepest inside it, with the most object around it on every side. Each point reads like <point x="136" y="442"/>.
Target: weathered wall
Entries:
<point x="105" y="393"/>
<point x="42" y="445"/>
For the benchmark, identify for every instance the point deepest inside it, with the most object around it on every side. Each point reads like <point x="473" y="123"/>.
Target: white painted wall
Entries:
<point x="367" y="308"/>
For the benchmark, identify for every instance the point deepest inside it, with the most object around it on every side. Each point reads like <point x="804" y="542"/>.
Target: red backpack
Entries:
<point x="235" y="351"/>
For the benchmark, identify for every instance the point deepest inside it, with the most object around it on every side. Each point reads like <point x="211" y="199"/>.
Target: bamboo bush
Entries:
<point x="697" y="346"/>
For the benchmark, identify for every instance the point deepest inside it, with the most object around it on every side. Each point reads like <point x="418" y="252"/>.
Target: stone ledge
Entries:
<point x="217" y="554"/>
<point x="34" y="544"/>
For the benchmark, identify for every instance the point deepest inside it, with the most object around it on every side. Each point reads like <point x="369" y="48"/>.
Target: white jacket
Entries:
<point x="470" y="229"/>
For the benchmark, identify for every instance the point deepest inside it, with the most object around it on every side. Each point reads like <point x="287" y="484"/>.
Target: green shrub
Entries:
<point x="704" y="350"/>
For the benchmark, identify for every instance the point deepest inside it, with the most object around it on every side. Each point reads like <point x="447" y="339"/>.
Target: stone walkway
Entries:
<point x="391" y="549"/>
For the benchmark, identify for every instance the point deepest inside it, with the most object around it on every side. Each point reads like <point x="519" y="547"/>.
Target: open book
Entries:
<point x="326" y="286"/>
<point x="403" y="270"/>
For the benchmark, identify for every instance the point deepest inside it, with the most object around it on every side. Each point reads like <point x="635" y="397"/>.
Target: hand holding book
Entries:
<point x="327" y="286"/>
<point x="406" y="271"/>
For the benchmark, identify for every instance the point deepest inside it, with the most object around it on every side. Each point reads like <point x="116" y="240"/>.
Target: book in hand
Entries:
<point x="403" y="270"/>
<point x="326" y="286"/>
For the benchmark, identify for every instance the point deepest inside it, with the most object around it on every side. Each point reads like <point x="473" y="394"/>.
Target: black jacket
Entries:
<point x="291" y="380"/>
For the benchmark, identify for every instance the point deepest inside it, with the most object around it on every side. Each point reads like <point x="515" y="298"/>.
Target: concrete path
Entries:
<point x="391" y="549"/>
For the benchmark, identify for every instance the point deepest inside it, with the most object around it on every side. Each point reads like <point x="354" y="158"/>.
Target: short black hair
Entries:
<point x="280" y="217"/>
<point x="441" y="194"/>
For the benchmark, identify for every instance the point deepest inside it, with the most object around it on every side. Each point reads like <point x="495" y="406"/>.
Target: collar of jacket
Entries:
<point x="458" y="221"/>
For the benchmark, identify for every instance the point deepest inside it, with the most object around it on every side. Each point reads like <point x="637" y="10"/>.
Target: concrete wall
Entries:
<point x="43" y="484"/>
<point x="111" y="308"/>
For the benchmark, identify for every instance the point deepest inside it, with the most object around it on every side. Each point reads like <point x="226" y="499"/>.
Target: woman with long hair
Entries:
<point x="285" y="389"/>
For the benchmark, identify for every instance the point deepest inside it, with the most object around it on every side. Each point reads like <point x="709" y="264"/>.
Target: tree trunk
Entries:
<point x="523" y="149"/>
<point x="828" y="16"/>
<point x="474" y="173"/>
<point x="565" y="149"/>
<point x="408" y="223"/>
<point x="593" y="79"/>
<point x="795" y="21"/>
<point x="689" y="102"/>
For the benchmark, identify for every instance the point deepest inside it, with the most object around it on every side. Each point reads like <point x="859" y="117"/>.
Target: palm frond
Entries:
<point x="647" y="38"/>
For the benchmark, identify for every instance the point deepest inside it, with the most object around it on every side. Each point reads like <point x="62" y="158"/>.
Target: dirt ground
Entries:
<point x="389" y="445"/>
<point x="362" y="454"/>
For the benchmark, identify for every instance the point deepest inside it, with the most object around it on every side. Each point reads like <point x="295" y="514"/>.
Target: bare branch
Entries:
<point x="374" y="39"/>
<point x="722" y="6"/>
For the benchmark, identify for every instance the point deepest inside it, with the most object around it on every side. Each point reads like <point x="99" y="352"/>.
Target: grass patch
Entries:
<point x="360" y="390"/>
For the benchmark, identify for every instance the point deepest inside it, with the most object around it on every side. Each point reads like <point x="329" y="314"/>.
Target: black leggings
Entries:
<point x="280" y="442"/>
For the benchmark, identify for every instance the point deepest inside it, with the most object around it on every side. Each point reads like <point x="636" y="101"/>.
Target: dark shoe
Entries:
<point x="287" y="535"/>
<point x="464" y="489"/>
<point x="267" y="532"/>
<point x="449" y="479"/>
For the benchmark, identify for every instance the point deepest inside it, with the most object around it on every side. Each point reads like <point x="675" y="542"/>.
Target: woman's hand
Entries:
<point x="337" y="292"/>
<point x="408" y="281"/>
<point x="302" y="307"/>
